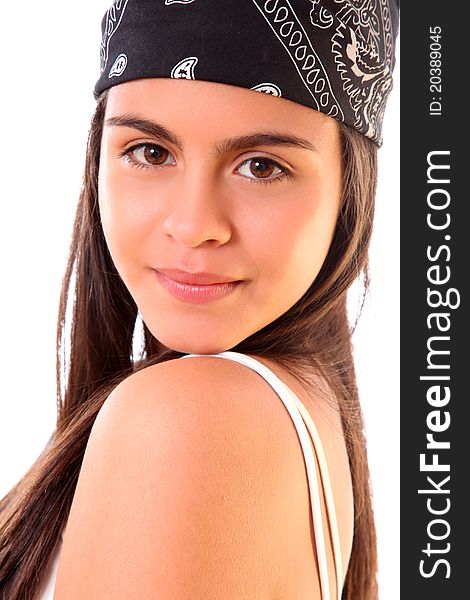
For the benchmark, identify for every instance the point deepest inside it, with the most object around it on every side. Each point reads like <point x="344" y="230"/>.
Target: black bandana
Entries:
<point x="335" y="56"/>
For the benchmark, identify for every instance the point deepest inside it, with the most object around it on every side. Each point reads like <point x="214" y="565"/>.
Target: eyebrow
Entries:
<point x="242" y="142"/>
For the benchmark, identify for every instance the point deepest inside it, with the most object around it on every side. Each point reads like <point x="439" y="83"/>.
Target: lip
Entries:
<point x="197" y="288"/>
<point x="195" y="278"/>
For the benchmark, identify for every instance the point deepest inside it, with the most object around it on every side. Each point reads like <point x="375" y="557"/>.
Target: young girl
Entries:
<point x="229" y="224"/>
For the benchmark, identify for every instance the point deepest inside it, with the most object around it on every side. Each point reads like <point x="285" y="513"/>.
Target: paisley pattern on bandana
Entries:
<point x="334" y="56"/>
<point x="289" y="31"/>
<point x="268" y="88"/>
<point x="111" y="23"/>
<point x="362" y="44"/>
<point x="185" y="68"/>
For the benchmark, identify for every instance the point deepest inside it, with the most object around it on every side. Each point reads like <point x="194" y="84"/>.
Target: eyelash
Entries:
<point x="285" y="173"/>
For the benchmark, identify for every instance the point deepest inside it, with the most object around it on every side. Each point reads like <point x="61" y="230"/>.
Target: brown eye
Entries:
<point x="155" y="155"/>
<point x="261" y="167"/>
<point x="262" y="170"/>
<point x="150" y="155"/>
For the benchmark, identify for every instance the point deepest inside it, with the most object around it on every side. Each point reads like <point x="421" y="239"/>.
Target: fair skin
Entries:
<point x="203" y="211"/>
<point x="193" y="482"/>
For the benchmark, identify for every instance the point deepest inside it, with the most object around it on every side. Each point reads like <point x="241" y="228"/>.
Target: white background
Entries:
<point x="49" y="66"/>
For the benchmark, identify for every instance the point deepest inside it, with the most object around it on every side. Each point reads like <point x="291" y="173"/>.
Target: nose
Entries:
<point x="196" y="211"/>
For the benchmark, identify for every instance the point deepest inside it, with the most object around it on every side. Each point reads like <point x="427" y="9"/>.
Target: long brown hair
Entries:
<point x="94" y="353"/>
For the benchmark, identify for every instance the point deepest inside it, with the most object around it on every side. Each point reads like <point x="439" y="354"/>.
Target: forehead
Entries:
<point x="190" y="105"/>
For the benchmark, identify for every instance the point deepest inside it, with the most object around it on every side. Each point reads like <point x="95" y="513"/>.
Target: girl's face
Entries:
<point x="218" y="205"/>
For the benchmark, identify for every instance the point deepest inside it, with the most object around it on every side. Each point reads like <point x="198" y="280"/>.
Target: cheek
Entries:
<point x="293" y="245"/>
<point x="128" y="219"/>
<point x="113" y="219"/>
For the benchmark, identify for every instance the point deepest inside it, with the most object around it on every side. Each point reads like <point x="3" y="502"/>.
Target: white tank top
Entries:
<point x="311" y="447"/>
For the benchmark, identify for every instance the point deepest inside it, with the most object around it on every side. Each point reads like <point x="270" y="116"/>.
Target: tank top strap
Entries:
<point x="311" y="446"/>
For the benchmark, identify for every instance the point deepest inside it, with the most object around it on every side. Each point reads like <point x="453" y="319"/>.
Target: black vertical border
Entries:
<point x="422" y="132"/>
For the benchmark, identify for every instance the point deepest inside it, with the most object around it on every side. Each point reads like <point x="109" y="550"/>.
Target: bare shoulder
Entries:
<point x="186" y="488"/>
<point x="203" y="398"/>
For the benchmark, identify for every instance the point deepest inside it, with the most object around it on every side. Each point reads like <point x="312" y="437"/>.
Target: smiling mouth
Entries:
<point x="197" y="288"/>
